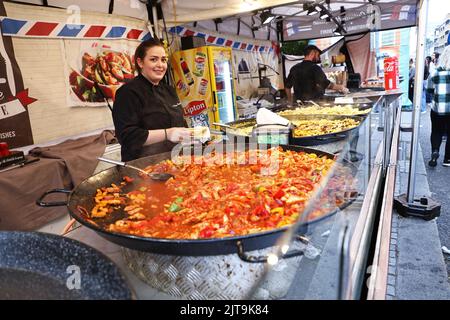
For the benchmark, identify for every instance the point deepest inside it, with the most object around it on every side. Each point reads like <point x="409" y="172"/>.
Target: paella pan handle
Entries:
<point x="263" y="259"/>
<point x="331" y="136"/>
<point x="40" y="202"/>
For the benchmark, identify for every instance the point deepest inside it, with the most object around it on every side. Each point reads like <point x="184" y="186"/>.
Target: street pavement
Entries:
<point x="418" y="269"/>
<point x="439" y="182"/>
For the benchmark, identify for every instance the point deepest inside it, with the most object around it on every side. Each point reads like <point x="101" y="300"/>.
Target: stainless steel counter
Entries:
<point x="114" y="252"/>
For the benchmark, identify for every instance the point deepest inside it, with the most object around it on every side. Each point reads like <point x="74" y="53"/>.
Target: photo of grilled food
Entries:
<point x="109" y="69"/>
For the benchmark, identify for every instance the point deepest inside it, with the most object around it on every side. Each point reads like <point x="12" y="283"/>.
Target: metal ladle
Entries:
<point x="155" y="176"/>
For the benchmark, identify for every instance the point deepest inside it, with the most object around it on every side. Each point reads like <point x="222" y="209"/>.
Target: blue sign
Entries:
<point x="448" y="39"/>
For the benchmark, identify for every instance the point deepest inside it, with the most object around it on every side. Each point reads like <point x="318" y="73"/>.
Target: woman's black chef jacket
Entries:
<point x="140" y="106"/>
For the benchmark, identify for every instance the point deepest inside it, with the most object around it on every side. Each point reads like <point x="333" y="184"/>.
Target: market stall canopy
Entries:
<point x="180" y="12"/>
<point x="300" y="19"/>
<point x="130" y="8"/>
<point x="237" y="17"/>
<point x="258" y="19"/>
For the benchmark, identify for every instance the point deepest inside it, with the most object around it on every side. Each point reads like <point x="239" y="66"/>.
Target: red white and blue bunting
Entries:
<point x="45" y="29"/>
<point x="211" y="39"/>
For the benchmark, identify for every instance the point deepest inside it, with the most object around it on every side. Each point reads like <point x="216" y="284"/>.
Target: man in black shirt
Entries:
<point x="308" y="79"/>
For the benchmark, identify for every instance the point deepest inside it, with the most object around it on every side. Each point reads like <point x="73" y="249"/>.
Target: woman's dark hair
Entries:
<point x="141" y="50"/>
<point x="436" y="56"/>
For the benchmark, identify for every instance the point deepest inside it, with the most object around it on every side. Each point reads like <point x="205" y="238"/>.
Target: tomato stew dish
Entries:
<point x="214" y="196"/>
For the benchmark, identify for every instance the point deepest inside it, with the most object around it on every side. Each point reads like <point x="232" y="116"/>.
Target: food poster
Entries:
<point x="96" y="69"/>
<point x="15" y="127"/>
<point x="192" y="83"/>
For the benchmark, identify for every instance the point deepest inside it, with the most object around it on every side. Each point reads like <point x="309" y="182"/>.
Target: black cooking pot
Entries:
<point x="83" y="195"/>
<point x="35" y="265"/>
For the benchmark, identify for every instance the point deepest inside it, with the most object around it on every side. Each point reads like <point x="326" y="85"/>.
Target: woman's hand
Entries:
<point x="179" y="134"/>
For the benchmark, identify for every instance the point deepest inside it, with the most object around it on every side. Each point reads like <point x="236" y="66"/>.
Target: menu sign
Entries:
<point x="15" y="127"/>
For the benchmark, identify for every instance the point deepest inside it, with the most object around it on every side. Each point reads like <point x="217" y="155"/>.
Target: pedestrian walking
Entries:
<point x="412" y="75"/>
<point x="438" y="86"/>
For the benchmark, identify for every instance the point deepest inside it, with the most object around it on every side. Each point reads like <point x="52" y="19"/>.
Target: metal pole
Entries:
<point x="155" y="22"/>
<point x="418" y="88"/>
<point x="381" y="115"/>
<point x="344" y="263"/>
<point x="367" y="150"/>
<point x="386" y="135"/>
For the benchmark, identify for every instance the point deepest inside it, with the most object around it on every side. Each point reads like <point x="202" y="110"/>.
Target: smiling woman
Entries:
<point x="147" y="114"/>
<point x="152" y="63"/>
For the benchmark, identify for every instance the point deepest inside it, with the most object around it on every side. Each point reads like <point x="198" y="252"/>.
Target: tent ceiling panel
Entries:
<point x="133" y="8"/>
<point x="87" y="5"/>
<point x="178" y="12"/>
<point x="334" y="5"/>
<point x="130" y="8"/>
<point x="245" y="29"/>
<point x="231" y="27"/>
<point x="38" y="2"/>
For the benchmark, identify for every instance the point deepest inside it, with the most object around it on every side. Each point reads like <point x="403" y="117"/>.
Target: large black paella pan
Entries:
<point x="83" y="194"/>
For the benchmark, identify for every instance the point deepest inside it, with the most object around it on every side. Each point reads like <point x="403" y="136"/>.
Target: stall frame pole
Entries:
<point x="406" y="205"/>
<point x="386" y="134"/>
<point x="418" y="91"/>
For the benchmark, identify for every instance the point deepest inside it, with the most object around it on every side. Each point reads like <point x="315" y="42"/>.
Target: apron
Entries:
<point x="175" y="112"/>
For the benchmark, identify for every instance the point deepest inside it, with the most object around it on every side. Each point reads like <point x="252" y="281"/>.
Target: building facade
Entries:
<point x="441" y="35"/>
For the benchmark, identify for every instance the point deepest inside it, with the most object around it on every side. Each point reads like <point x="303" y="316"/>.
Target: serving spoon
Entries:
<point x="164" y="176"/>
<point x="222" y="125"/>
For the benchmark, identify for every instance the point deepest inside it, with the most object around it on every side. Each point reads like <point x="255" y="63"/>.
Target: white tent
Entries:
<point x="243" y="17"/>
<point x="299" y="19"/>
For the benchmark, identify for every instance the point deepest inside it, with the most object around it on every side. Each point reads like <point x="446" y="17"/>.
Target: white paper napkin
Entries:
<point x="343" y="100"/>
<point x="265" y="116"/>
<point x="201" y="134"/>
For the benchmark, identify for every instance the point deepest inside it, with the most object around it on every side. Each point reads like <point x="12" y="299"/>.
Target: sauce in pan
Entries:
<point x="215" y="198"/>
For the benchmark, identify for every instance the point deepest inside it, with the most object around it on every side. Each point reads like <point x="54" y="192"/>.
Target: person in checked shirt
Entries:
<point x="438" y="86"/>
